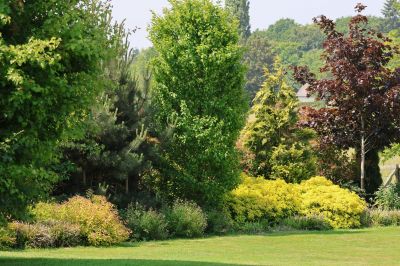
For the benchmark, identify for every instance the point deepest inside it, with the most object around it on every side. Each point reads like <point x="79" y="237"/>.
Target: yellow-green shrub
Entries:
<point x="258" y="199"/>
<point x="98" y="219"/>
<point x="340" y="207"/>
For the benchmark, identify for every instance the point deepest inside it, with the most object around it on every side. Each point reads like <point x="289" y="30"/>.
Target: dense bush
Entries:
<point x="306" y="223"/>
<point x="377" y="217"/>
<point x="388" y="198"/>
<point x="186" y="219"/>
<point x="46" y="234"/>
<point x="146" y="225"/>
<point x="98" y="219"/>
<point x="7" y="238"/>
<point x="292" y="163"/>
<point x="219" y="222"/>
<point x="340" y="207"/>
<point x="259" y="199"/>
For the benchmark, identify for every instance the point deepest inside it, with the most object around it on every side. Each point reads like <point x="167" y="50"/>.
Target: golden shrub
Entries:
<point x="97" y="218"/>
<point x="257" y="198"/>
<point x="340" y="207"/>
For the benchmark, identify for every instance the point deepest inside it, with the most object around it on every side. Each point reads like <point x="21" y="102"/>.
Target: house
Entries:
<point x="302" y="94"/>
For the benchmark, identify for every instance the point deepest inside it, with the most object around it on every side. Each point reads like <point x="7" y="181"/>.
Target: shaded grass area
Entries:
<point x="374" y="246"/>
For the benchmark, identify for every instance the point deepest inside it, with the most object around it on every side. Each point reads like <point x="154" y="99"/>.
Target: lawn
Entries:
<point x="377" y="246"/>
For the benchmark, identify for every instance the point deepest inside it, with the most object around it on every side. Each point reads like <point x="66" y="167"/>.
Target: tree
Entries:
<point x="361" y="94"/>
<point x="392" y="15"/>
<point x="240" y="10"/>
<point x="113" y="153"/>
<point x="280" y="149"/>
<point x="198" y="89"/>
<point x="51" y="52"/>
<point x="258" y="55"/>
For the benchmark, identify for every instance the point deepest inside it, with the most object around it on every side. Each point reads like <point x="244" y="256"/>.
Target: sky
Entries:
<point x="137" y="13"/>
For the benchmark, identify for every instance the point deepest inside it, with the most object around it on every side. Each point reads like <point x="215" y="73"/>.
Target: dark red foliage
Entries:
<point x="360" y="87"/>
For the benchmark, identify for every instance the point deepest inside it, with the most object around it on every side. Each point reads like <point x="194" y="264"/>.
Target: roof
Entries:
<point x="303" y="91"/>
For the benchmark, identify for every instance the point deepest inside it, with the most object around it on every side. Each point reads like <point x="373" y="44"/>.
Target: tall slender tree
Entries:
<point x="392" y="15"/>
<point x="240" y="9"/>
<point x="199" y="81"/>
<point x="362" y="94"/>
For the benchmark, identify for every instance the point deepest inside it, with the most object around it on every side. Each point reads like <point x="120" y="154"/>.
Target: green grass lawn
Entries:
<point x="377" y="246"/>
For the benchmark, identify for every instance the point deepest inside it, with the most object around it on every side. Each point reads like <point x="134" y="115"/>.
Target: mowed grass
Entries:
<point x="376" y="246"/>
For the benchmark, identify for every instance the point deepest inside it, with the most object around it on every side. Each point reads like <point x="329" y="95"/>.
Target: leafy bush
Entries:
<point x="186" y="219"/>
<point x="7" y="238"/>
<point x="219" y="222"/>
<point x="306" y="223"/>
<point x="253" y="228"/>
<point x="388" y="198"/>
<point x="377" y="217"/>
<point x="339" y="207"/>
<point x="259" y="199"/>
<point x="98" y="219"/>
<point x="146" y="225"/>
<point x="292" y="163"/>
<point x="46" y="234"/>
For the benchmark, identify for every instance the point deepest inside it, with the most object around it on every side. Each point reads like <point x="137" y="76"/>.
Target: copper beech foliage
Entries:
<point x="361" y="94"/>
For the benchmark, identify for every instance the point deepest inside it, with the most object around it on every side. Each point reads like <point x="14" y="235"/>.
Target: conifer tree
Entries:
<point x="280" y="149"/>
<point x="392" y="15"/>
<point x="240" y="9"/>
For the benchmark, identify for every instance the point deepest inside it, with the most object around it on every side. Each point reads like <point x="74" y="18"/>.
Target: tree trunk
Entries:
<point x="127" y="185"/>
<point x="362" y="162"/>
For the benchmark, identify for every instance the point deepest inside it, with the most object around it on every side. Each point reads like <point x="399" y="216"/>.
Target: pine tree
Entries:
<point x="113" y="151"/>
<point x="240" y="9"/>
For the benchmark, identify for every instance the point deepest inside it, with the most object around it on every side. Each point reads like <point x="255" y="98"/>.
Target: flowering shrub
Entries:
<point x="339" y="207"/>
<point x="256" y="199"/>
<point x="98" y="219"/>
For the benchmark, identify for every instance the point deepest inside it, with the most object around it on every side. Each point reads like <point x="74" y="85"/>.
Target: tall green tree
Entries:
<point x="199" y="80"/>
<point x="51" y="52"/>
<point x="259" y="54"/>
<point x="280" y="149"/>
<point x="392" y="15"/>
<point x="240" y="10"/>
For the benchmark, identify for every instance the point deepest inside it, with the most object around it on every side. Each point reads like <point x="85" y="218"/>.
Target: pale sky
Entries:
<point x="262" y="12"/>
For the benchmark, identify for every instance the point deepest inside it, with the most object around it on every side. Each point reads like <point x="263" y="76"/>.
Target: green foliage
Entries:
<point x="7" y="238"/>
<point x="257" y="199"/>
<point x="219" y="222"/>
<point x="292" y="163"/>
<point x="114" y="151"/>
<point x="198" y="93"/>
<point x="49" y="76"/>
<point x="240" y="10"/>
<point x="388" y="198"/>
<point x="280" y="149"/>
<point x="98" y="219"/>
<point x="258" y="55"/>
<point x="379" y="217"/>
<point x="146" y="225"/>
<point x="186" y="219"/>
<point x="339" y="207"/>
<point x="46" y="234"/>
<point x="316" y="223"/>
<point x="391" y="12"/>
